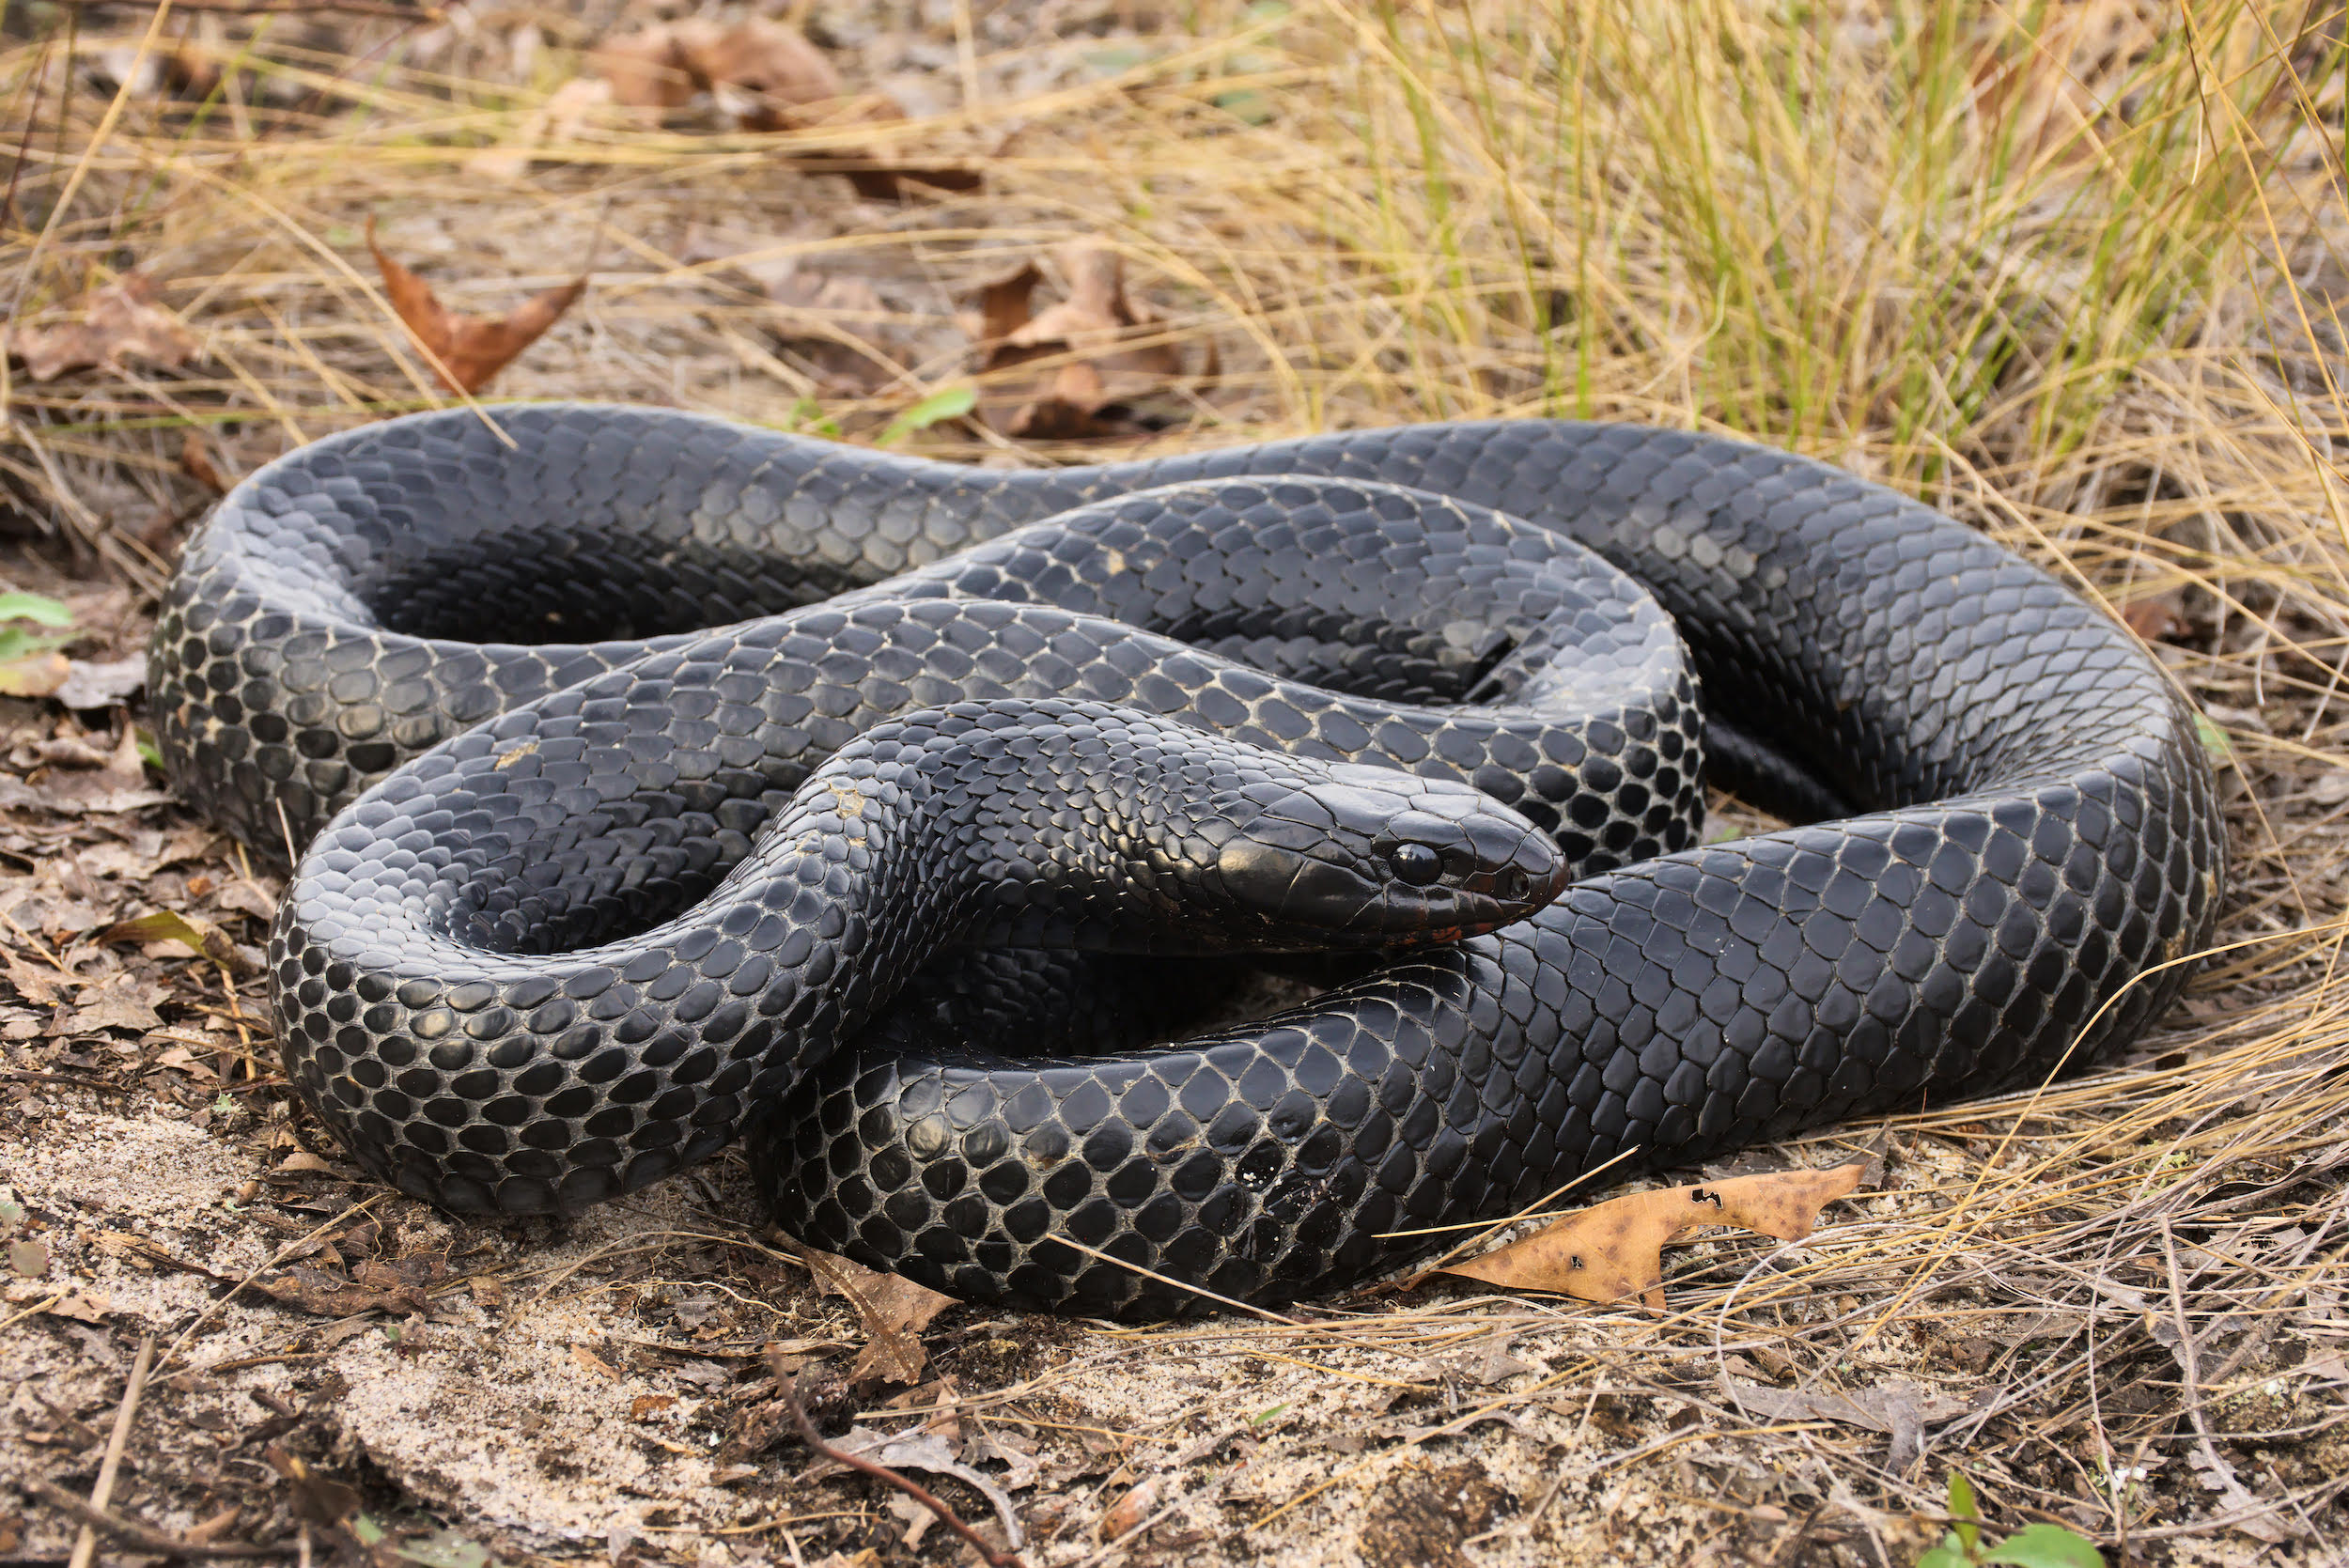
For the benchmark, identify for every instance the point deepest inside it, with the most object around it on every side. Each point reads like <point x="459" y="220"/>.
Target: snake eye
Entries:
<point x="1415" y="864"/>
<point x="1513" y="884"/>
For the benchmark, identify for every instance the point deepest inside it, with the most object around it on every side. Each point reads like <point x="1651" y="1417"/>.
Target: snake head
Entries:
<point x="1342" y="855"/>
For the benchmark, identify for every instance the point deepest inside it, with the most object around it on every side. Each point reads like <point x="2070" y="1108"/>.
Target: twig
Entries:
<point x="274" y="7"/>
<point x="131" y="1533"/>
<point x="86" y="1546"/>
<point x="911" y="1487"/>
<point x="280" y="1256"/>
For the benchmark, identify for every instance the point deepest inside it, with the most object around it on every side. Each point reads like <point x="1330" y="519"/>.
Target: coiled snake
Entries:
<point x="586" y="889"/>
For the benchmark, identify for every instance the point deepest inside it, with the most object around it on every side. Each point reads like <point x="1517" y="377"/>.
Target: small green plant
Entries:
<point x="30" y="665"/>
<point x="952" y="403"/>
<point x="2032" y="1546"/>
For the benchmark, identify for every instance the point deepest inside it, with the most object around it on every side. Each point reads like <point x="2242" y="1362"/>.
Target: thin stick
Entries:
<point x="282" y="1255"/>
<point x="132" y="1534"/>
<point x="276" y="7"/>
<point x="911" y="1487"/>
<point x="86" y="1544"/>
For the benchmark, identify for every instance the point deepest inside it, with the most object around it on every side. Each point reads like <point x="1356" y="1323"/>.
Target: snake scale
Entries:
<point x="655" y="780"/>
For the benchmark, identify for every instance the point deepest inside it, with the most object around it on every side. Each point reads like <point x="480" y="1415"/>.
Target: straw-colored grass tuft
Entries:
<point x="2071" y="269"/>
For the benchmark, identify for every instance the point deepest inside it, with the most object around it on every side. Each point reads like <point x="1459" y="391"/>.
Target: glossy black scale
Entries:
<point x="553" y="957"/>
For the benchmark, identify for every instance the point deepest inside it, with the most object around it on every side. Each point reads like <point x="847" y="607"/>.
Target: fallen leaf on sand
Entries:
<point x="920" y="1450"/>
<point x="1899" y="1410"/>
<point x="120" y="1002"/>
<point x="118" y="322"/>
<point x="1131" y="1510"/>
<point x="560" y="119"/>
<point x="763" y="76"/>
<point x="196" y="462"/>
<point x="103" y="683"/>
<point x="2155" y="618"/>
<point x="1615" y="1249"/>
<point x="318" y="1498"/>
<point x="1100" y="332"/>
<point x="761" y="71"/>
<point x="892" y="1308"/>
<point x="468" y="350"/>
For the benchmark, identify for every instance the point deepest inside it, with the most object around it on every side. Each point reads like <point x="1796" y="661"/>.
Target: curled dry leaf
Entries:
<point x="2162" y="615"/>
<point x="893" y="1309"/>
<point x="1101" y="335"/>
<point x="560" y="119"/>
<point x="763" y="76"/>
<point x="1615" y="1248"/>
<point x="196" y="462"/>
<point x="116" y="323"/>
<point x="193" y="932"/>
<point x="1129" y="1510"/>
<point x="468" y="350"/>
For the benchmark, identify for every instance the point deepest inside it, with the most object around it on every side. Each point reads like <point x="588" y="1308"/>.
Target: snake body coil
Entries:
<point x="591" y="907"/>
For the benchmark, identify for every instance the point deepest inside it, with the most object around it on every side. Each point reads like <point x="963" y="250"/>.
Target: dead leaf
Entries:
<point x="323" y="1295"/>
<point x="1128" y="1511"/>
<point x="1014" y="1452"/>
<point x="118" y="322"/>
<point x="318" y="1499"/>
<point x="1093" y="330"/>
<point x="560" y="119"/>
<point x="1899" y="1410"/>
<point x="593" y="1362"/>
<point x="36" y="674"/>
<point x="920" y="1450"/>
<point x="1615" y="1249"/>
<point x="41" y="984"/>
<point x="2155" y="618"/>
<point x="193" y="932"/>
<point x="758" y="70"/>
<point x="647" y="1404"/>
<point x="105" y="684"/>
<point x="121" y="786"/>
<point x="468" y="350"/>
<point x="762" y="76"/>
<point x="894" y="1310"/>
<point x="119" y="1001"/>
<point x="91" y="1307"/>
<point x="197" y="463"/>
<point x="29" y="1258"/>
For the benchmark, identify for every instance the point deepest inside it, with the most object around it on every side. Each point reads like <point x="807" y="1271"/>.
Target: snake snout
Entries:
<point x="1379" y="857"/>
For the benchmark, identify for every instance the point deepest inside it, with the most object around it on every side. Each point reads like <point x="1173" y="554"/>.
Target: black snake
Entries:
<point x="569" y="914"/>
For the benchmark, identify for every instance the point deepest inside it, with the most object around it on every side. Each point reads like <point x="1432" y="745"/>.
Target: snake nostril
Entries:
<point x="1415" y="864"/>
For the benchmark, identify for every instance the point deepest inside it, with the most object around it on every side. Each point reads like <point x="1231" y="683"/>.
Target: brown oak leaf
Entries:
<point x="1615" y="1249"/>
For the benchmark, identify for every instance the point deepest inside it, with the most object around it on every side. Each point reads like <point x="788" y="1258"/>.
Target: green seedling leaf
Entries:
<point x="30" y="664"/>
<point x="11" y="1216"/>
<point x="2213" y="739"/>
<point x="149" y="753"/>
<point x="34" y="607"/>
<point x="1949" y="1554"/>
<point x="367" y="1531"/>
<point x="1965" y="1512"/>
<point x="1264" y="1416"/>
<point x="2045" y="1546"/>
<point x="951" y="403"/>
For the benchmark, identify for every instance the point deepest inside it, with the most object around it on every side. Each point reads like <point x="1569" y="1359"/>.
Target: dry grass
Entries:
<point x="2072" y="270"/>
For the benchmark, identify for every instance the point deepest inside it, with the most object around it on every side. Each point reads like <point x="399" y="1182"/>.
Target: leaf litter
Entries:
<point x="1985" y="1267"/>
